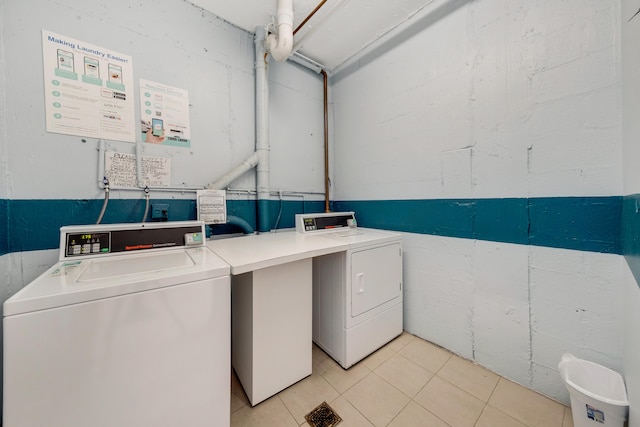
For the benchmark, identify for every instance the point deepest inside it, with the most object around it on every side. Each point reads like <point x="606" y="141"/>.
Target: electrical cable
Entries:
<point x="105" y="182"/>
<point x="279" y="213"/>
<point x="146" y="207"/>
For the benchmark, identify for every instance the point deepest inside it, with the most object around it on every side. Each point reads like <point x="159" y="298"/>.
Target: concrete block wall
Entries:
<point x="630" y="34"/>
<point x="495" y="100"/>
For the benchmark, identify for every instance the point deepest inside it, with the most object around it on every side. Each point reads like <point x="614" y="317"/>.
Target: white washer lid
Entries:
<point x="74" y="282"/>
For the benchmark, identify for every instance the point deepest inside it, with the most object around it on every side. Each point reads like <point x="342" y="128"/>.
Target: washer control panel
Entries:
<point x="88" y="243"/>
<point x="100" y="240"/>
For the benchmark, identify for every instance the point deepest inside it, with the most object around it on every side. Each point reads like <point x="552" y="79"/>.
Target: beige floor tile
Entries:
<point x="343" y="379"/>
<point x="236" y="403"/>
<point x="400" y="342"/>
<point x="378" y="358"/>
<point x="270" y="413"/>
<point x="321" y="366"/>
<point x="491" y="417"/>
<point x="405" y="375"/>
<point x="470" y="377"/>
<point x="350" y="415"/>
<point x="305" y="395"/>
<point x="317" y="354"/>
<point x="526" y="406"/>
<point x="567" y="421"/>
<point x="449" y="403"/>
<point x="414" y="415"/>
<point x="429" y="356"/>
<point x="376" y="399"/>
<point x="237" y="391"/>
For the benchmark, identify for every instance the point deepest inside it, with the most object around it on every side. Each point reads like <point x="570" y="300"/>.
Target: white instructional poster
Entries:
<point x="88" y="89"/>
<point x="211" y="206"/>
<point x="164" y="114"/>
<point x="121" y="170"/>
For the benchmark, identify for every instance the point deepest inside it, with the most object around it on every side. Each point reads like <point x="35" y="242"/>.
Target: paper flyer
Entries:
<point x="88" y="89"/>
<point x="164" y="114"/>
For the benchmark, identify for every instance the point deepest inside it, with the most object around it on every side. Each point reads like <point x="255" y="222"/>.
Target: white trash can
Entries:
<point x="598" y="395"/>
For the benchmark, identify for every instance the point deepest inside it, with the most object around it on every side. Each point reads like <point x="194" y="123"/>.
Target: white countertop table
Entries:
<point x="271" y="307"/>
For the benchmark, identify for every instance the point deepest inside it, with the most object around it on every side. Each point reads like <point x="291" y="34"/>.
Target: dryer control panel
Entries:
<point x="309" y="223"/>
<point x="81" y="241"/>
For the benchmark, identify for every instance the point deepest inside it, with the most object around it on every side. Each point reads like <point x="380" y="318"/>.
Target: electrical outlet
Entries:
<point x="160" y="211"/>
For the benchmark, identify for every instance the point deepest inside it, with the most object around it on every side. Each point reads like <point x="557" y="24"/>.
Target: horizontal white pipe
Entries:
<point x="306" y="62"/>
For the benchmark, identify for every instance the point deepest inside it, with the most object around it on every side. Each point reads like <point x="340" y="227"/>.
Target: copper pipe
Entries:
<point x="309" y="16"/>
<point x="326" y="115"/>
<point x="326" y="142"/>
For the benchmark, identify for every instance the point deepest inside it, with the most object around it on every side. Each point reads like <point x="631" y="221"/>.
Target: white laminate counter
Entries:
<point x="271" y="307"/>
<point x="257" y="251"/>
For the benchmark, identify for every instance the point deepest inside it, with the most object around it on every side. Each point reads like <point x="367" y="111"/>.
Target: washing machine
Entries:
<point x="357" y="293"/>
<point x="130" y="328"/>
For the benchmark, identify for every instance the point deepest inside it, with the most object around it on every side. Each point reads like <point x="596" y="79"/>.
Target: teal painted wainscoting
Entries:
<point x="631" y="233"/>
<point x="35" y="224"/>
<point x="4" y="227"/>
<point x="595" y="224"/>
<point x="582" y="223"/>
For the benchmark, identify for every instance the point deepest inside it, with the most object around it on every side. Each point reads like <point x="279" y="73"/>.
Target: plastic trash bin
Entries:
<point x="598" y="396"/>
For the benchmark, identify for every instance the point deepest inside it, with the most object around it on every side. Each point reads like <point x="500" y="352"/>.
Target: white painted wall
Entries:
<point x="172" y="43"/>
<point x="632" y="345"/>
<point x="515" y="309"/>
<point x="498" y="98"/>
<point x="4" y="176"/>
<point x="631" y="149"/>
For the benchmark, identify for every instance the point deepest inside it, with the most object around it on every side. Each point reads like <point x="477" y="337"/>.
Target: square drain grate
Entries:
<point x="323" y="416"/>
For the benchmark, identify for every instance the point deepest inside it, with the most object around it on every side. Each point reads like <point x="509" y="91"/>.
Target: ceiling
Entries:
<point x="338" y="31"/>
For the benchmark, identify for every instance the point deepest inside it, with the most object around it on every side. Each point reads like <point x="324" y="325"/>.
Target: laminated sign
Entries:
<point x="88" y="89"/>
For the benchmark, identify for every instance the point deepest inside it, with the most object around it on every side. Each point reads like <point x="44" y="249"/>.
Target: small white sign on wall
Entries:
<point x="121" y="170"/>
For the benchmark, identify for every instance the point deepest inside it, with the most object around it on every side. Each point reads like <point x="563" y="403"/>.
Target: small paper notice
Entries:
<point x="212" y="206"/>
<point x="120" y="169"/>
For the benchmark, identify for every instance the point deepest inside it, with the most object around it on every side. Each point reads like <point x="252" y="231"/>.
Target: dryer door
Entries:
<point x="376" y="277"/>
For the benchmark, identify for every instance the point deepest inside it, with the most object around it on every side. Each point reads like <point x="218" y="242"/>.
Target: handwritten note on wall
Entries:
<point x="120" y="169"/>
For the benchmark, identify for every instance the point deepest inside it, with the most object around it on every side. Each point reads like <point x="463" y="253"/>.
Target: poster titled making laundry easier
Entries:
<point x="88" y="89"/>
<point x="164" y="114"/>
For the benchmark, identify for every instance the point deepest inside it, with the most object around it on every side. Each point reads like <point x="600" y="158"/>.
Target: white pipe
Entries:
<point x="262" y="130"/>
<point x="280" y="45"/>
<point x="222" y="182"/>
<point x="306" y="62"/>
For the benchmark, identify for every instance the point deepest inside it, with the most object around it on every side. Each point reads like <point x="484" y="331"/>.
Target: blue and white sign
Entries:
<point x="88" y="89"/>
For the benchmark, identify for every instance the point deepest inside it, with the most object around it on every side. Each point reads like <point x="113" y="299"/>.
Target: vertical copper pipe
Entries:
<point x="326" y="115"/>
<point x="309" y="16"/>
<point x="326" y="142"/>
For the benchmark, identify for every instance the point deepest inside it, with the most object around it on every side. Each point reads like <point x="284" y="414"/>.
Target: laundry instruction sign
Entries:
<point x="88" y="89"/>
<point x="164" y="114"/>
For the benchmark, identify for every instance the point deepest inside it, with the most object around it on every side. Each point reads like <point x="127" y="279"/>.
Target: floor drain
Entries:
<point x="323" y="416"/>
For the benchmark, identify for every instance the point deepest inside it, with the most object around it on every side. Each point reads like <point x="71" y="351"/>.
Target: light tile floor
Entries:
<point x="407" y="383"/>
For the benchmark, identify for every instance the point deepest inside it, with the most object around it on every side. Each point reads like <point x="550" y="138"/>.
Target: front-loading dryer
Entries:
<point x="357" y="294"/>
